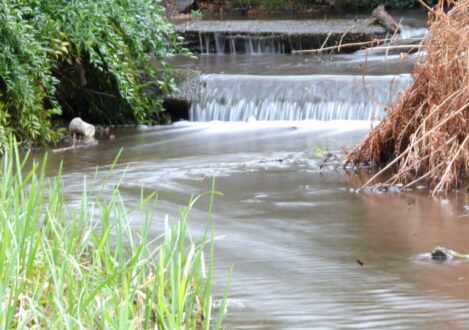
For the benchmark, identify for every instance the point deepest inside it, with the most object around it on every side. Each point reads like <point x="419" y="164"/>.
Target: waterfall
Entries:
<point x="223" y="43"/>
<point x="319" y="97"/>
<point x="412" y="32"/>
<point x="225" y="39"/>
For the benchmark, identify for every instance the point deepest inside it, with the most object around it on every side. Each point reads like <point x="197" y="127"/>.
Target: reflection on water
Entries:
<point x="292" y="231"/>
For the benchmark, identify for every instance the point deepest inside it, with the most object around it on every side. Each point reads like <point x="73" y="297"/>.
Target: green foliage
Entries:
<point x="319" y="151"/>
<point x="81" y="57"/>
<point x="197" y="14"/>
<point x="89" y="267"/>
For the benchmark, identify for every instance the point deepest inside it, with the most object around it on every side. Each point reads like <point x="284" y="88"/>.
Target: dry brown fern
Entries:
<point x="424" y="135"/>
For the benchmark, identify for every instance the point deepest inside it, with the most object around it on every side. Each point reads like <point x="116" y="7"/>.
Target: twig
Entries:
<point x="64" y="149"/>
<point x="398" y="30"/>
<point x="425" y="5"/>
<point x="325" y="41"/>
<point x="354" y="44"/>
<point x="395" y="177"/>
<point x="420" y="178"/>
<point x="448" y="167"/>
<point x="100" y="93"/>
<point x="396" y="47"/>
<point x="429" y="172"/>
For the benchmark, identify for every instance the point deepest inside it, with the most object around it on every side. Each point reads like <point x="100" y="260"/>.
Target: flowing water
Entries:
<point x="318" y="97"/>
<point x="307" y="251"/>
<point x="292" y="231"/>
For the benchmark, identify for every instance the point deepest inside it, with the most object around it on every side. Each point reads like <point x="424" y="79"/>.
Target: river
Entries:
<point x="307" y="251"/>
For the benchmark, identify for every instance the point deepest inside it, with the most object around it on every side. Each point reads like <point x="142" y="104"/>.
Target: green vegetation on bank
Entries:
<point x="79" y="58"/>
<point x="88" y="267"/>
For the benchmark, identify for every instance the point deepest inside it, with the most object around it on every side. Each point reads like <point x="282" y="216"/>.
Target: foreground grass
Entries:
<point x="86" y="268"/>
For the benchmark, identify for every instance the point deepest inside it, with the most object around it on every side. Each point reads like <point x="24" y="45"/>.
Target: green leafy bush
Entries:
<point x="82" y="57"/>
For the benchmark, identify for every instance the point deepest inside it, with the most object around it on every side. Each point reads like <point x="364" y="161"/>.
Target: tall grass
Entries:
<point x="87" y="268"/>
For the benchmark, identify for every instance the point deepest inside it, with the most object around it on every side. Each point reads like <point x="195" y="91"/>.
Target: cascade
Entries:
<point x="318" y="97"/>
<point x="218" y="43"/>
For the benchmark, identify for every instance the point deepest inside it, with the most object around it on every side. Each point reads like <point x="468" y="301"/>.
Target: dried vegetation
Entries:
<point x="424" y="135"/>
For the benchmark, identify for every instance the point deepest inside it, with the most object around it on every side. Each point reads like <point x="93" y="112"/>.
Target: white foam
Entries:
<point x="294" y="98"/>
<point x="315" y="125"/>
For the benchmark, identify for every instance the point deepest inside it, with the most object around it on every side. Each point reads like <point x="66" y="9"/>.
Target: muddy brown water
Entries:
<point x="293" y="232"/>
<point x="307" y="251"/>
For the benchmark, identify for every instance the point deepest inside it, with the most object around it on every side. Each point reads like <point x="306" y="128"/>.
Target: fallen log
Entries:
<point x="386" y="20"/>
<point x="407" y="48"/>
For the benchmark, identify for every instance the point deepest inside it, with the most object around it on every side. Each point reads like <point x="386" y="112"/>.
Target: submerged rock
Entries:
<point x="441" y="253"/>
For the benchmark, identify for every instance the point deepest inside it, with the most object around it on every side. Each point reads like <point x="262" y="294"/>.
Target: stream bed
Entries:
<point x="307" y="251"/>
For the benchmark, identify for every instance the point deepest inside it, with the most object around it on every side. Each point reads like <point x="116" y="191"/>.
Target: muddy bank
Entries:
<point x="247" y="35"/>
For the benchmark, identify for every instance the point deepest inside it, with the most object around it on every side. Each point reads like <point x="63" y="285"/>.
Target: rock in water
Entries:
<point x="441" y="253"/>
<point x="80" y="127"/>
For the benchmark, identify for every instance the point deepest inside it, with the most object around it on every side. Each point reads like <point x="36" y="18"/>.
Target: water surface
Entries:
<point x="308" y="252"/>
<point x="294" y="232"/>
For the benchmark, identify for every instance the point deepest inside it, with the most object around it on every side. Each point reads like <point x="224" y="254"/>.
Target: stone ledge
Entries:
<point x="291" y="34"/>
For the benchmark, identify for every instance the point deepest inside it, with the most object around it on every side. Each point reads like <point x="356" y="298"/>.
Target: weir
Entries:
<point x="222" y="43"/>
<point x="274" y="37"/>
<point x="292" y="87"/>
<point x="318" y="97"/>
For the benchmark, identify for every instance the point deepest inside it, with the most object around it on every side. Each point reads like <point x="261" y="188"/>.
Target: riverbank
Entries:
<point x="61" y="61"/>
<point x="424" y="135"/>
<point x="87" y="265"/>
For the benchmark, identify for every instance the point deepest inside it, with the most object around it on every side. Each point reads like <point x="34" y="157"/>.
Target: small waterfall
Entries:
<point x="274" y="36"/>
<point x="412" y="32"/>
<point x="226" y="43"/>
<point x="320" y="97"/>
